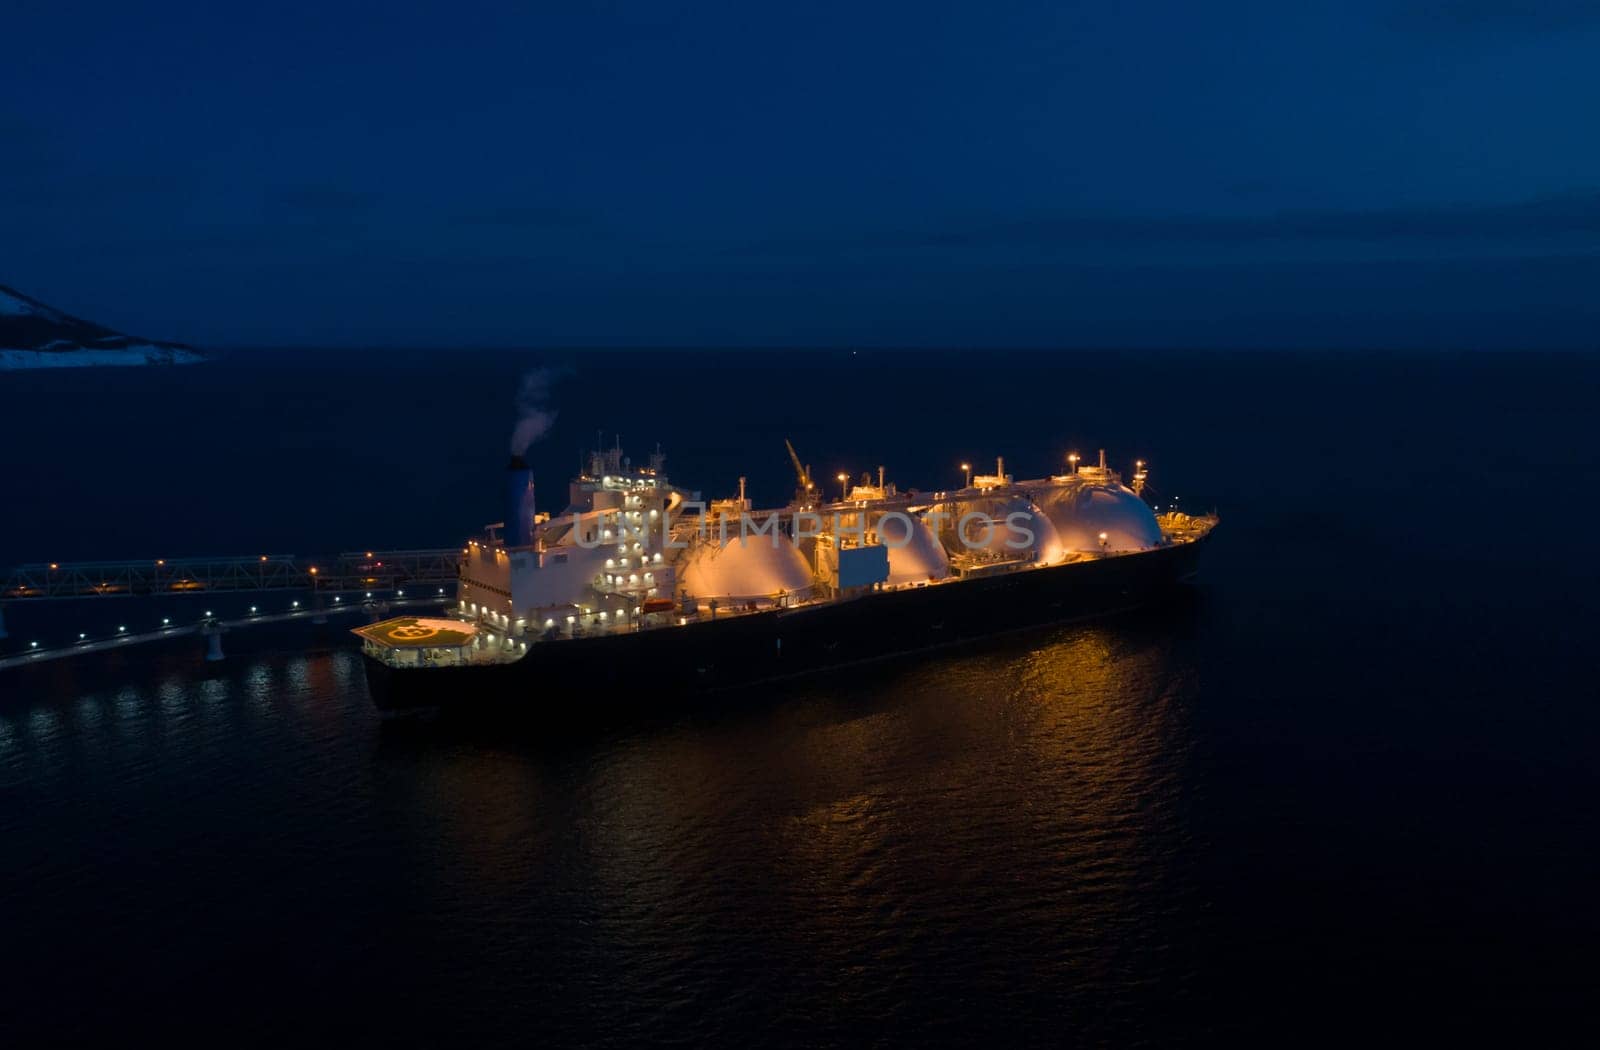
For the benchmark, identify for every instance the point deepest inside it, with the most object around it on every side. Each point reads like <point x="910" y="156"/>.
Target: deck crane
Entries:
<point x="806" y="490"/>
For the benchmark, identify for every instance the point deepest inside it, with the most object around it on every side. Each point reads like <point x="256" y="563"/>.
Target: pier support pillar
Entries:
<point x="212" y="632"/>
<point x="3" y="620"/>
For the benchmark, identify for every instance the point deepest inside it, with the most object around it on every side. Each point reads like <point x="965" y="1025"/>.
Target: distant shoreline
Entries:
<point x="139" y="354"/>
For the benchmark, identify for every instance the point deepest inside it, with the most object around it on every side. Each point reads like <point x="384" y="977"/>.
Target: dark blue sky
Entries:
<point x="1346" y="173"/>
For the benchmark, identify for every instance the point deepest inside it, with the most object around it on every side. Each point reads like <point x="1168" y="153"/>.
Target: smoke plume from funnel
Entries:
<point x="518" y="530"/>
<point x="534" y="416"/>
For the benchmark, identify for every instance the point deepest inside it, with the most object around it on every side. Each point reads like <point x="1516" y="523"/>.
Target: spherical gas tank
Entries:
<point x="744" y="569"/>
<point x="915" y="554"/>
<point x="1081" y="513"/>
<point x="1005" y="526"/>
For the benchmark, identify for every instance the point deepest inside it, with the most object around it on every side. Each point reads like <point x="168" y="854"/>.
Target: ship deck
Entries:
<point x="487" y="647"/>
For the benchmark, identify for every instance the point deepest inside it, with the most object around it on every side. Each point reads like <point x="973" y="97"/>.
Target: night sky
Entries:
<point x="1320" y="173"/>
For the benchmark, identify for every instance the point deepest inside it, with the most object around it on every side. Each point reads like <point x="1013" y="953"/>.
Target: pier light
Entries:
<point x="1103" y="541"/>
<point x="842" y="479"/>
<point x="369" y="594"/>
<point x="263" y="557"/>
<point x="400" y="594"/>
<point x="81" y="636"/>
<point x="294" y="605"/>
<point x="208" y="611"/>
<point x="34" y="644"/>
<point x="337" y="598"/>
<point x="252" y="609"/>
<point x="314" y="568"/>
<point x="967" y="469"/>
<point x="165" y="620"/>
<point x="1072" y="461"/>
<point x="161" y="561"/>
<point x="121" y="629"/>
<point x="53" y="565"/>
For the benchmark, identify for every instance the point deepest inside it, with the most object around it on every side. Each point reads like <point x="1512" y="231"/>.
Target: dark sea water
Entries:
<point x="1343" y="788"/>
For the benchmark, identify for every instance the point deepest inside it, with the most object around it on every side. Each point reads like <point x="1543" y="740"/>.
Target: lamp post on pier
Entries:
<point x="319" y="610"/>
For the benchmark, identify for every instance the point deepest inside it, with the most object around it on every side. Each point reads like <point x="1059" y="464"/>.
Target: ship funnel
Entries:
<point x="519" y="503"/>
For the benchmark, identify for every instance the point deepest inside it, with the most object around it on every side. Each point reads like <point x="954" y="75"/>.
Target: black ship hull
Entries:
<point x="621" y="671"/>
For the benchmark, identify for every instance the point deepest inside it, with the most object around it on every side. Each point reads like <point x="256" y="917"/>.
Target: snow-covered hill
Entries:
<point x="33" y="335"/>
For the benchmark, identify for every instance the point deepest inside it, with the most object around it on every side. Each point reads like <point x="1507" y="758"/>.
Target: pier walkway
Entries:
<point x="353" y="571"/>
<point x="210" y="629"/>
<point x="373" y="579"/>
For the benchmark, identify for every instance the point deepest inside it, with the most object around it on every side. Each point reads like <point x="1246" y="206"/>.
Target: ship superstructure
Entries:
<point x="632" y="554"/>
<point x="597" y="565"/>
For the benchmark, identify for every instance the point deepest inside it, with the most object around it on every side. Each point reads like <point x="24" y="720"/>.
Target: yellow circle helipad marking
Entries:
<point x="413" y="632"/>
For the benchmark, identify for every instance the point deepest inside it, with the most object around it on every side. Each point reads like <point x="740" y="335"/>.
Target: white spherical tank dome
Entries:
<point x="915" y="554"/>
<point x="1009" y="526"/>
<point x="747" y="569"/>
<point x="1082" y="512"/>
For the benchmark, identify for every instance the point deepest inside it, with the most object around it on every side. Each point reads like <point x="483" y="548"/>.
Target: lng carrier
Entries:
<point x="640" y="588"/>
